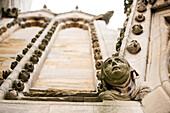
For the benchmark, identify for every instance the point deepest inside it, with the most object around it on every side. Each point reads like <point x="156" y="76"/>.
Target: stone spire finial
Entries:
<point x="45" y="6"/>
<point x="77" y="7"/>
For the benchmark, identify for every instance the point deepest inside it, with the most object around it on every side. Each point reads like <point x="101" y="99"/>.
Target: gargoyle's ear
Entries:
<point x="134" y="74"/>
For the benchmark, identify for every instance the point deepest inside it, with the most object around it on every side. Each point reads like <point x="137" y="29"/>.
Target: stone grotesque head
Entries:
<point x="116" y="70"/>
<point x="118" y="81"/>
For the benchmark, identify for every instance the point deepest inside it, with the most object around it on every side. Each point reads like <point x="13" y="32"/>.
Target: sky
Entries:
<point x="95" y="7"/>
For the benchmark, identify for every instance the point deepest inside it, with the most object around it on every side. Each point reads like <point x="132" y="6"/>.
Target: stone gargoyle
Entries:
<point x="118" y="81"/>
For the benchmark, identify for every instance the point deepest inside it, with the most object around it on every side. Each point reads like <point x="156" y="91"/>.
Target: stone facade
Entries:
<point x="47" y="57"/>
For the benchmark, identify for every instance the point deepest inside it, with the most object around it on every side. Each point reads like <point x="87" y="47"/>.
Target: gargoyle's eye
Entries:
<point x="110" y="61"/>
<point x="118" y="60"/>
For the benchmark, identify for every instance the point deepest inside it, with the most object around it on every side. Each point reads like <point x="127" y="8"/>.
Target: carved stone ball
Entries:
<point x="24" y="76"/>
<point x="42" y="47"/>
<point x="95" y="44"/>
<point x="50" y="33"/>
<point x="97" y="56"/>
<point x="45" y="41"/>
<point x="140" y="18"/>
<point x="38" y="52"/>
<point x="141" y="7"/>
<point x="8" y="25"/>
<point x="98" y="74"/>
<point x="11" y="95"/>
<point x="29" y="67"/>
<point x="115" y="70"/>
<point x="137" y="29"/>
<point x="37" y="36"/>
<point x="33" y="40"/>
<point x="24" y="51"/>
<point x="29" y="45"/>
<point x="6" y="73"/>
<point x="19" y="57"/>
<point x="18" y="85"/>
<point x="34" y="59"/>
<point x="14" y="64"/>
<point x="48" y="37"/>
<point x="99" y="65"/>
<point x="134" y="47"/>
<point x="96" y="50"/>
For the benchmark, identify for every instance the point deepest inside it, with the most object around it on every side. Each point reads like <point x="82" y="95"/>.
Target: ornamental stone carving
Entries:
<point x="10" y="13"/>
<point x="34" y="59"/>
<point x="137" y="29"/>
<point x="19" y="57"/>
<point x="141" y="7"/>
<point x="99" y="65"/>
<point x="11" y="95"/>
<point x="97" y="56"/>
<point x="134" y="47"/>
<point x="118" y="81"/>
<point x="18" y="85"/>
<point x="24" y="51"/>
<point x="140" y="18"/>
<point x="14" y="64"/>
<point x="38" y="52"/>
<point x="24" y="75"/>
<point x="6" y="73"/>
<point x="29" y="67"/>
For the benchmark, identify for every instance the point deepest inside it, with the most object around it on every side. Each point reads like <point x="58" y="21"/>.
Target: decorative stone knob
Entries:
<point x="24" y="76"/>
<point x="8" y="25"/>
<point x="29" y="67"/>
<point x="140" y="18"/>
<point x="95" y="44"/>
<point x="14" y="64"/>
<point x="24" y="51"/>
<point x="45" y="41"/>
<point x="96" y="50"/>
<point x="141" y="7"/>
<point x="40" y="32"/>
<point x="42" y="47"/>
<point x="137" y="29"/>
<point x="33" y="40"/>
<point x="98" y="74"/>
<point x="6" y="73"/>
<point x="18" y="85"/>
<point x="97" y="56"/>
<point x="99" y="65"/>
<point x="37" y="36"/>
<point x="34" y="59"/>
<point x="50" y="33"/>
<point x="38" y="52"/>
<point x="29" y="45"/>
<point x="134" y="47"/>
<point x="48" y="37"/>
<point x="19" y="57"/>
<point x="11" y="95"/>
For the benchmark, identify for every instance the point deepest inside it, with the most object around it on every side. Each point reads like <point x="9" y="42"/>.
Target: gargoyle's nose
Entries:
<point x="114" y="63"/>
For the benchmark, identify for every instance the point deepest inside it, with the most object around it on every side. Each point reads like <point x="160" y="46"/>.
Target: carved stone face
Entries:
<point x="115" y="70"/>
